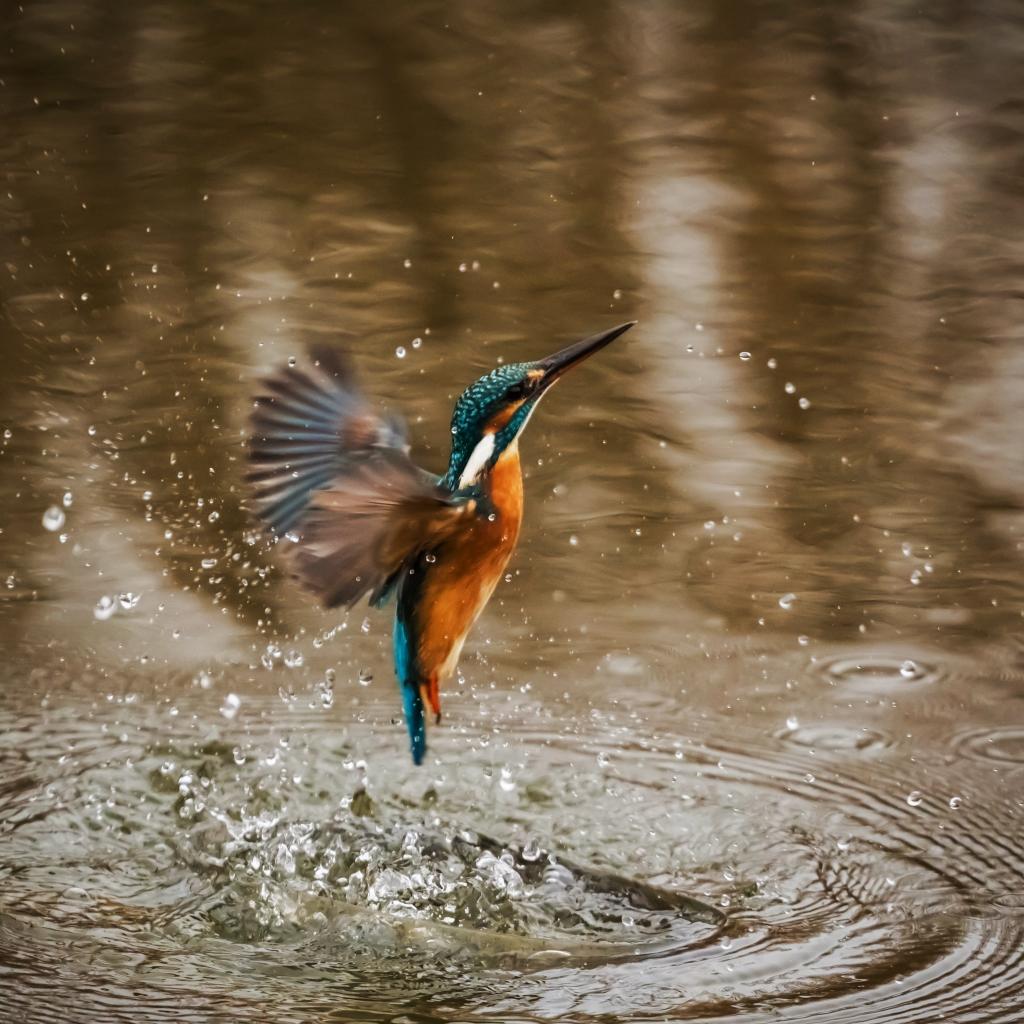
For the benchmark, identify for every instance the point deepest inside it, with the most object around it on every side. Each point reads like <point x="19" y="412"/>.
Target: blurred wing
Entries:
<point x="335" y="478"/>
<point x="308" y="424"/>
<point x="362" y="529"/>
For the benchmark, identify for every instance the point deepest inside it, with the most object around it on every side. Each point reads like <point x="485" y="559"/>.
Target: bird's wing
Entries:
<point x="335" y="479"/>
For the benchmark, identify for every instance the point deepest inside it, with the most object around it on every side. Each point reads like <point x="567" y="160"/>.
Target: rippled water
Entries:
<point x="741" y="736"/>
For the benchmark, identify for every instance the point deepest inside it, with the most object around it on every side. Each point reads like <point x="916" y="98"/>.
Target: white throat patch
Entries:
<point x="474" y="467"/>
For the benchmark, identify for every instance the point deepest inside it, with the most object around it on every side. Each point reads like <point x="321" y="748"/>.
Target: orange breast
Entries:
<point x="467" y="570"/>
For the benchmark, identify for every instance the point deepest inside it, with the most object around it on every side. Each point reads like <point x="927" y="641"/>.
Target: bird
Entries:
<point x="333" y="483"/>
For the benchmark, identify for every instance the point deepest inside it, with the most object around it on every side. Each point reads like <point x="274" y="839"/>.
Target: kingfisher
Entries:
<point x="334" y="483"/>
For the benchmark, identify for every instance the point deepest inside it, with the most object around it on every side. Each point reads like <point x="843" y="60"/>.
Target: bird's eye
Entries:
<point x="516" y="392"/>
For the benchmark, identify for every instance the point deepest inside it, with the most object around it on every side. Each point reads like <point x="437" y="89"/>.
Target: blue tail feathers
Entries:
<point x="412" y="703"/>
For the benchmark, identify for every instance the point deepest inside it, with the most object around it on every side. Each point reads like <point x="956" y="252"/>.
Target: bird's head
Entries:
<point x="491" y="413"/>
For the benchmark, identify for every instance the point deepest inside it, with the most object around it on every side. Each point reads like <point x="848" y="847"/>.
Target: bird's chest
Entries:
<point x="464" y="573"/>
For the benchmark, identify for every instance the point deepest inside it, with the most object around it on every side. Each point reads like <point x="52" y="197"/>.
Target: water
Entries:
<point x="741" y="735"/>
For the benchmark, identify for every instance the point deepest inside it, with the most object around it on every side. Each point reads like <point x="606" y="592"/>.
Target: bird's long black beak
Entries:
<point x="555" y="365"/>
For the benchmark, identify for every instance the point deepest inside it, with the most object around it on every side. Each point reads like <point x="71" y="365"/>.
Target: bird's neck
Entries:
<point x="504" y="485"/>
<point x="470" y="466"/>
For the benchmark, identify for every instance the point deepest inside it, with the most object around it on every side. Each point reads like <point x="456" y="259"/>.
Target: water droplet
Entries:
<point x="792" y="723"/>
<point x="430" y="557"/>
<point x="325" y="693"/>
<point x="804" y="403"/>
<point x="407" y="263"/>
<point x="955" y="802"/>
<point x="67" y="500"/>
<point x="907" y="549"/>
<point x="91" y="431"/>
<point x="603" y="759"/>
<point x="364" y="626"/>
<point x="909" y="669"/>
<point x="203" y="679"/>
<point x="790" y="387"/>
<point x="462" y="268"/>
<point x="365" y="677"/>
<point x="617" y="294"/>
<point x="710" y="524"/>
<point x="400" y="351"/>
<point x="574" y="540"/>
<point x="914" y="798"/>
<point x="232" y="702"/>
<point x="745" y="356"/>
<point x="208" y="563"/>
<point x="128" y="600"/>
<point x="293" y="659"/>
<point x="292" y="360"/>
<point x="772" y="363"/>
<point x="105" y="607"/>
<point x="803" y="640"/>
<point x="786" y="601"/>
<point x="417" y="342"/>
<point x="53" y="518"/>
<point x="531" y="851"/>
<point x="506" y="781"/>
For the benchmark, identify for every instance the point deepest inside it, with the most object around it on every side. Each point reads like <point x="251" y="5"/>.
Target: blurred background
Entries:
<point x="783" y="517"/>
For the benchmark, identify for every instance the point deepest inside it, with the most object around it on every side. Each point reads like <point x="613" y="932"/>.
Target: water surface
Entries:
<point x="741" y="735"/>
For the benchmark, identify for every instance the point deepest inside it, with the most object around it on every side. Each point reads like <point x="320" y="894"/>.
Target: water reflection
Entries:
<point x="814" y="215"/>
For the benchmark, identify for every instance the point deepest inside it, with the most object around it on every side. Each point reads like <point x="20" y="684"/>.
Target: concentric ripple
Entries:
<point x="567" y="873"/>
<point x="1004" y="745"/>
<point x="880" y="671"/>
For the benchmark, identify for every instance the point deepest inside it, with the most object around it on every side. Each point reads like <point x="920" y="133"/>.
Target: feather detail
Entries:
<point x="307" y="425"/>
<point x="372" y="519"/>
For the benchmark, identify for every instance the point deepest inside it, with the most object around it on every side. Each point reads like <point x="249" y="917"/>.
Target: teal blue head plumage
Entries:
<point x="360" y="517"/>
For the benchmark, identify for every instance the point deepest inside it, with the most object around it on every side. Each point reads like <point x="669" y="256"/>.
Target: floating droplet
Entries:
<point x="790" y="387"/>
<point x="128" y="600"/>
<point x="365" y="677"/>
<point x="53" y="518"/>
<point x="786" y="601"/>
<point x="955" y="802"/>
<point x="909" y="669"/>
<point x="400" y="351"/>
<point x="292" y="360"/>
<point x="325" y="693"/>
<point x="232" y="702"/>
<point x="804" y="403"/>
<point x="745" y="356"/>
<point x="67" y="500"/>
<point x="293" y="659"/>
<point x="105" y="607"/>
<point x="914" y="798"/>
